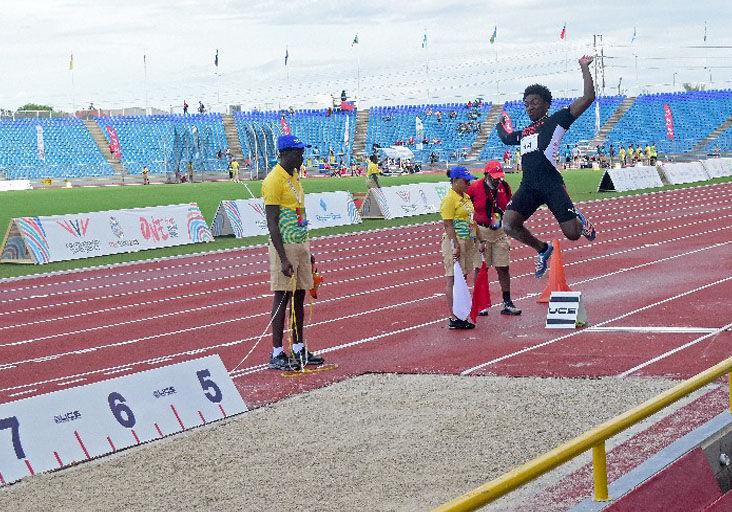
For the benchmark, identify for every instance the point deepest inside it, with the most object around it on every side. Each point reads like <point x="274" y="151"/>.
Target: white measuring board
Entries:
<point x="55" y="430"/>
<point x="566" y="311"/>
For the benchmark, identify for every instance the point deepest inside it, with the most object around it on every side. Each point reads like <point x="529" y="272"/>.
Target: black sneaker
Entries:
<point x="456" y="323"/>
<point x="281" y="362"/>
<point x="484" y="312"/>
<point x="304" y="358"/>
<point x="510" y="309"/>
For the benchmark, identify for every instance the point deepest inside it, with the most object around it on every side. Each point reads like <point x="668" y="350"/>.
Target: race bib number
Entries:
<point x="529" y="143"/>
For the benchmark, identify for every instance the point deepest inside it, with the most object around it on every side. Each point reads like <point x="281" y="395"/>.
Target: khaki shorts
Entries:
<point x="299" y="256"/>
<point x="496" y="248"/>
<point x="468" y="255"/>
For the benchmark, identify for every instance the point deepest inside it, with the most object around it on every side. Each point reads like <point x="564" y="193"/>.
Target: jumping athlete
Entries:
<point x="541" y="182"/>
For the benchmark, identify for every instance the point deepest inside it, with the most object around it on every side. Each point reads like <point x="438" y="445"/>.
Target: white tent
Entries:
<point x="397" y="152"/>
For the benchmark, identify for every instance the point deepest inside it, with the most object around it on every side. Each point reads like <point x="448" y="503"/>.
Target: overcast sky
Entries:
<point x="388" y="65"/>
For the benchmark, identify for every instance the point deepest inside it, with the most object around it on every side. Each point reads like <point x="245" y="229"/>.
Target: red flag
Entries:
<point x="346" y="105"/>
<point x="114" y="145"/>
<point x="669" y="121"/>
<point x="564" y="32"/>
<point x="285" y="126"/>
<point x="481" y="293"/>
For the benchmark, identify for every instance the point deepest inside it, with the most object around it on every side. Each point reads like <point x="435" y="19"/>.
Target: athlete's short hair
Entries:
<point x="540" y="90"/>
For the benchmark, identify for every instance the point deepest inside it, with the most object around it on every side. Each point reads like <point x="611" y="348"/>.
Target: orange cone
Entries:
<point x="557" y="280"/>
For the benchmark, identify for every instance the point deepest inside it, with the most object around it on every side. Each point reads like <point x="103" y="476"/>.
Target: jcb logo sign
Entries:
<point x="562" y="311"/>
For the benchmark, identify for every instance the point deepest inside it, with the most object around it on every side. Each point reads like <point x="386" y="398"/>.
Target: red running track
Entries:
<point x="661" y="260"/>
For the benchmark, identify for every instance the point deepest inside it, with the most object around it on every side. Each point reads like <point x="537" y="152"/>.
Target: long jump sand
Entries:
<point x="375" y="442"/>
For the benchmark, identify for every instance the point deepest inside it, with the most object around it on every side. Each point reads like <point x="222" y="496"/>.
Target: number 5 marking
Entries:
<point x="14" y="426"/>
<point x="207" y="384"/>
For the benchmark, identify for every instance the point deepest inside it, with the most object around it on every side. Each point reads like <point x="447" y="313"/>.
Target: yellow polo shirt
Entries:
<point x="281" y="189"/>
<point x="372" y="169"/>
<point x="458" y="209"/>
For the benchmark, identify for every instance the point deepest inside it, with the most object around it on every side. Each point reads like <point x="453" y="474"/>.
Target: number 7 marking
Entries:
<point x="14" y="426"/>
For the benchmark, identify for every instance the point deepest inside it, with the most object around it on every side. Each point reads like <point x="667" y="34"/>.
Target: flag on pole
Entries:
<point x="144" y="59"/>
<point x="216" y="58"/>
<point x="347" y="133"/>
<point x="71" y="62"/>
<point x="287" y="55"/>
<point x="705" y="31"/>
<point x="424" y="40"/>
<point x="355" y="40"/>
<point x="493" y="37"/>
<point x="481" y="293"/>
<point x="563" y="33"/>
<point x="634" y="35"/>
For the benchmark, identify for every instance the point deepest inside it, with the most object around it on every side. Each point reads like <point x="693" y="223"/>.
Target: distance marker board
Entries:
<point x="55" y="430"/>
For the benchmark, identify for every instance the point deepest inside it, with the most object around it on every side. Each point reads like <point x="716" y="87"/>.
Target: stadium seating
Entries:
<point x="319" y="128"/>
<point x="695" y="115"/>
<point x="389" y="124"/>
<point x="70" y="151"/>
<point x="583" y="129"/>
<point x="150" y="140"/>
<point x="723" y="143"/>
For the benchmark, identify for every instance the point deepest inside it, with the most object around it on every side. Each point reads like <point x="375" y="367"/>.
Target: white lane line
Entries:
<point x="238" y="342"/>
<point x="129" y="322"/>
<point x="674" y="351"/>
<point x="655" y="329"/>
<point x="242" y="253"/>
<point x="118" y="370"/>
<point x="578" y="332"/>
<point x="207" y="348"/>
<point x="68" y="382"/>
<point x="339" y="247"/>
<point x="21" y="393"/>
<point x="178" y="285"/>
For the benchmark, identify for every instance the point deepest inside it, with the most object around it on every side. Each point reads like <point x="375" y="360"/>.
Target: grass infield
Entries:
<point x="581" y="184"/>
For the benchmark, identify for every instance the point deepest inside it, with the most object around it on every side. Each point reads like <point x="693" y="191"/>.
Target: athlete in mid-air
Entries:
<point x="541" y="182"/>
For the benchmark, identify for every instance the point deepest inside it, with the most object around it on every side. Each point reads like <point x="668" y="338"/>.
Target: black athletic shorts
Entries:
<point x="529" y="197"/>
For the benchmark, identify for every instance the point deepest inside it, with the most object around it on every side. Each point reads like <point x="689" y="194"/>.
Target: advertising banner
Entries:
<point x="246" y="217"/>
<point x="83" y="235"/>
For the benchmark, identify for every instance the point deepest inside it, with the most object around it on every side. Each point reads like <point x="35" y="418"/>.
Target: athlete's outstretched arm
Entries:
<point x="579" y="105"/>
<point x="510" y="139"/>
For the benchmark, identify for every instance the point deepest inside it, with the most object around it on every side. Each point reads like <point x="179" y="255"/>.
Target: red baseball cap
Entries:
<point x="495" y="169"/>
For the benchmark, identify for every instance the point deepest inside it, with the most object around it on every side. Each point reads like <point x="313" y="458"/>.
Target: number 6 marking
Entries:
<point x="121" y="412"/>
<point x="14" y="425"/>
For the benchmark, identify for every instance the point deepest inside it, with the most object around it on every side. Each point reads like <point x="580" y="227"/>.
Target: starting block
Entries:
<point x="566" y="311"/>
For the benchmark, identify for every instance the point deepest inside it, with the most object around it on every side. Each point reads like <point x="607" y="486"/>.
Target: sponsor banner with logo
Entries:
<point x="245" y="217"/>
<point x="74" y="236"/>
<point x="685" y="172"/>
<point x="403" y="200"/>
<point x="718" y="167"/>
<point x="630" y="178"/>
<point x="6" y="185"/>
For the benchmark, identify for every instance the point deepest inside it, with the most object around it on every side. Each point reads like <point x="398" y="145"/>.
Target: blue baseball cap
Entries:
<point x="460" y="172"/>
<point x="285" y="142"/>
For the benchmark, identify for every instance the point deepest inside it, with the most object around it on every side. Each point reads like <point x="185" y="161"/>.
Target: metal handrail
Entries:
<point x="594" y="439"/>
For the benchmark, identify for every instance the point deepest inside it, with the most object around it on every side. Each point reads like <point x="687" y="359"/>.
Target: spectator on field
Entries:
<point x="490" y="196"/>
<point x="458" y="240"/>
<point x="639" y="154"/>
<point x="654" y="154"/>
<point x="647" y="151"/>
<point x="517" y="160"/>
<point x="190" y="171"/>
<point x="201" y="108"/>
<point x="622" y="155"/>
<point x="630" y="154"/>
<point x="568" y="157"/>
<point x="234" y="167"/>
<point x="185" y="107"/>
<point x="612" y="154"/>
<point x="145" y="175"/>
<point x="290" y="260"/>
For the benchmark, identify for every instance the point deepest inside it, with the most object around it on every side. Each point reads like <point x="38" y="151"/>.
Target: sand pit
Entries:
<point x="376" y="442"/>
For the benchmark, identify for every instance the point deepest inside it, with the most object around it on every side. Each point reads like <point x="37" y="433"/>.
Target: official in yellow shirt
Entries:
<point x="373" y="172"/>
<point x="289" y="252"/>
<point x="458" y="241"/>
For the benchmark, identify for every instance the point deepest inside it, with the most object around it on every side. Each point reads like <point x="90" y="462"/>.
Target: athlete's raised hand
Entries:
<point x="586" y="60"/>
